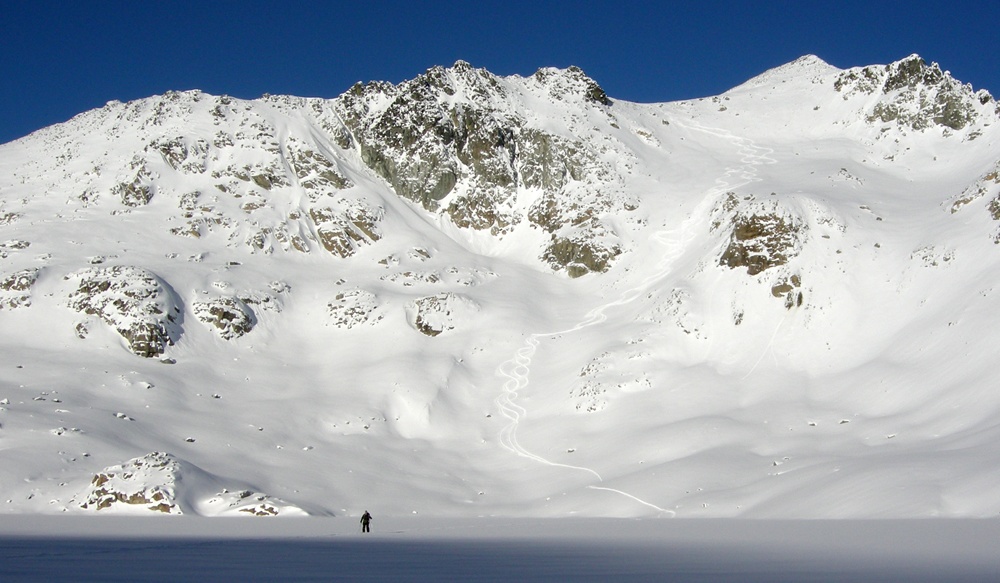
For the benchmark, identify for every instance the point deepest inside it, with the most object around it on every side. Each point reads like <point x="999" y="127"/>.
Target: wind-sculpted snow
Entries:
<point x="467" y="294"/>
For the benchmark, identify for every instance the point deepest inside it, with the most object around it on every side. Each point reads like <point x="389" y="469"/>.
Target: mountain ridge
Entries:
<point x="471" y="294"/>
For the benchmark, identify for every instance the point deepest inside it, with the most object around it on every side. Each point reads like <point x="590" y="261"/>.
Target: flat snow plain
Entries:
<point x="47" y="548"/>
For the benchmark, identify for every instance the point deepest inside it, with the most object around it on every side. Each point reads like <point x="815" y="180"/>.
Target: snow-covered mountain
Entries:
<point x="468" y="294"/>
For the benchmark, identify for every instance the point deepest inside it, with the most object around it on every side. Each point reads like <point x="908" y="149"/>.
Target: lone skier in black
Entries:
<point x="365" y="520"/>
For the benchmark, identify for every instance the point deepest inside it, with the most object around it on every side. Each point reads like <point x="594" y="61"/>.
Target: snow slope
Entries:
<point x="472" y="295"/>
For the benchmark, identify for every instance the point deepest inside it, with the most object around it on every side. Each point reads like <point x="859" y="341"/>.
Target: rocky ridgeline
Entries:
<point x="916" y="96"/>
<point x="238" y="180"/>
<point x="457" y="141"/>
<point x="461" y="143"/>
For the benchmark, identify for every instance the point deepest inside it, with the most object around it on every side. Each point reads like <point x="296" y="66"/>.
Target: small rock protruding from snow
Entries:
<point x="433" y="315"/>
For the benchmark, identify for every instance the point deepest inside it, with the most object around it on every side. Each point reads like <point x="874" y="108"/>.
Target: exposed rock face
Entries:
<point x="571" y="82"/>
<point x="914" y="95"/>
<point x="419" y="141"/>
<point x="343" y="230"/>
<point x="134" y="302"/>
<point x="790" y="289"/>
<point x="763" y="235"/>
<point x="761" y="241"/>
<point x="459" y="141"/>
<point x="188" y="155"/>
<point x="315" y="172"/>
<point x="986" y="187"/>
<point x="229" y="317"/>
<point x="451" y="138"/>
<point x="581" y="253"/>
<point x="433" y="315"/>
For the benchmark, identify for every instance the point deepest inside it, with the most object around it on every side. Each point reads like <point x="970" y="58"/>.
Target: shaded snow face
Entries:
<point x="468" y="294"/>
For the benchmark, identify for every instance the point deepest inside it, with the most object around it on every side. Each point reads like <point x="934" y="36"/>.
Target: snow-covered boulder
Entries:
<point x="439" y="313"/>
<point x="143" y="483"/>
<point x="161" y="482"/>
<point x="229" y="317"/>
<point x="15" y="288"/>
<point x="354" y="307"/>
<point x="135" y="302"/>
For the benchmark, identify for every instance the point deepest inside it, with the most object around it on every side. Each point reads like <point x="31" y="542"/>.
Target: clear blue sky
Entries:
<point x="61" y="58"/>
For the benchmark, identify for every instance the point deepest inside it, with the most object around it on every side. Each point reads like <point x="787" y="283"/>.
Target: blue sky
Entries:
<point x="61" y="58"/>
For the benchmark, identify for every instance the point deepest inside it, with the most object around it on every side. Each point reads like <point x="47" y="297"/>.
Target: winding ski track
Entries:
<point x="517" y="369"/>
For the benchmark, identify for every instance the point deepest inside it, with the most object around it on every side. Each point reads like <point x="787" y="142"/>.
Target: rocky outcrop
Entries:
<point x="454" y="141"/>
<point x="229" y="317"/>
<point x="160" y="482"/>
<point x="761" y="234"/>
<point x="315" y="172"/>
<point x="789" y="288"/>
<point x="433" y="315"/>
<point x="571" y="84"/>
<point x="986" y="187"/>
<point x="346" y="226"/>
<point x="187" y="155"/>
<point x="353" y="308"/>
<point x="761" y="241"/>
<point x="137" y="191"/>
<point x="143" y="483"/>
<point x="135" y="302"/>
<point x="581" y="252"/>
<point x="915" y="95"/>
<point x="15" y="288"/>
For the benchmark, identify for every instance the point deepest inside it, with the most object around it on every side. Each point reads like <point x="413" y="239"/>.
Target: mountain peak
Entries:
<point x="915" y="95"/>
<point x="805" y="67"/>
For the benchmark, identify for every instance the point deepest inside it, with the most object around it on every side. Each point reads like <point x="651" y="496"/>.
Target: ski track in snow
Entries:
<point x="518" y="369"/>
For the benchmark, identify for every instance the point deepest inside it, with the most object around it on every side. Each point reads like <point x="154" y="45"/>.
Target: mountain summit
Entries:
<point x="469" y="294"/>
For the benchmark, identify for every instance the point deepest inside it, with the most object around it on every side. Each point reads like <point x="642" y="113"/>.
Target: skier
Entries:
<point x="365" y="519"/>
